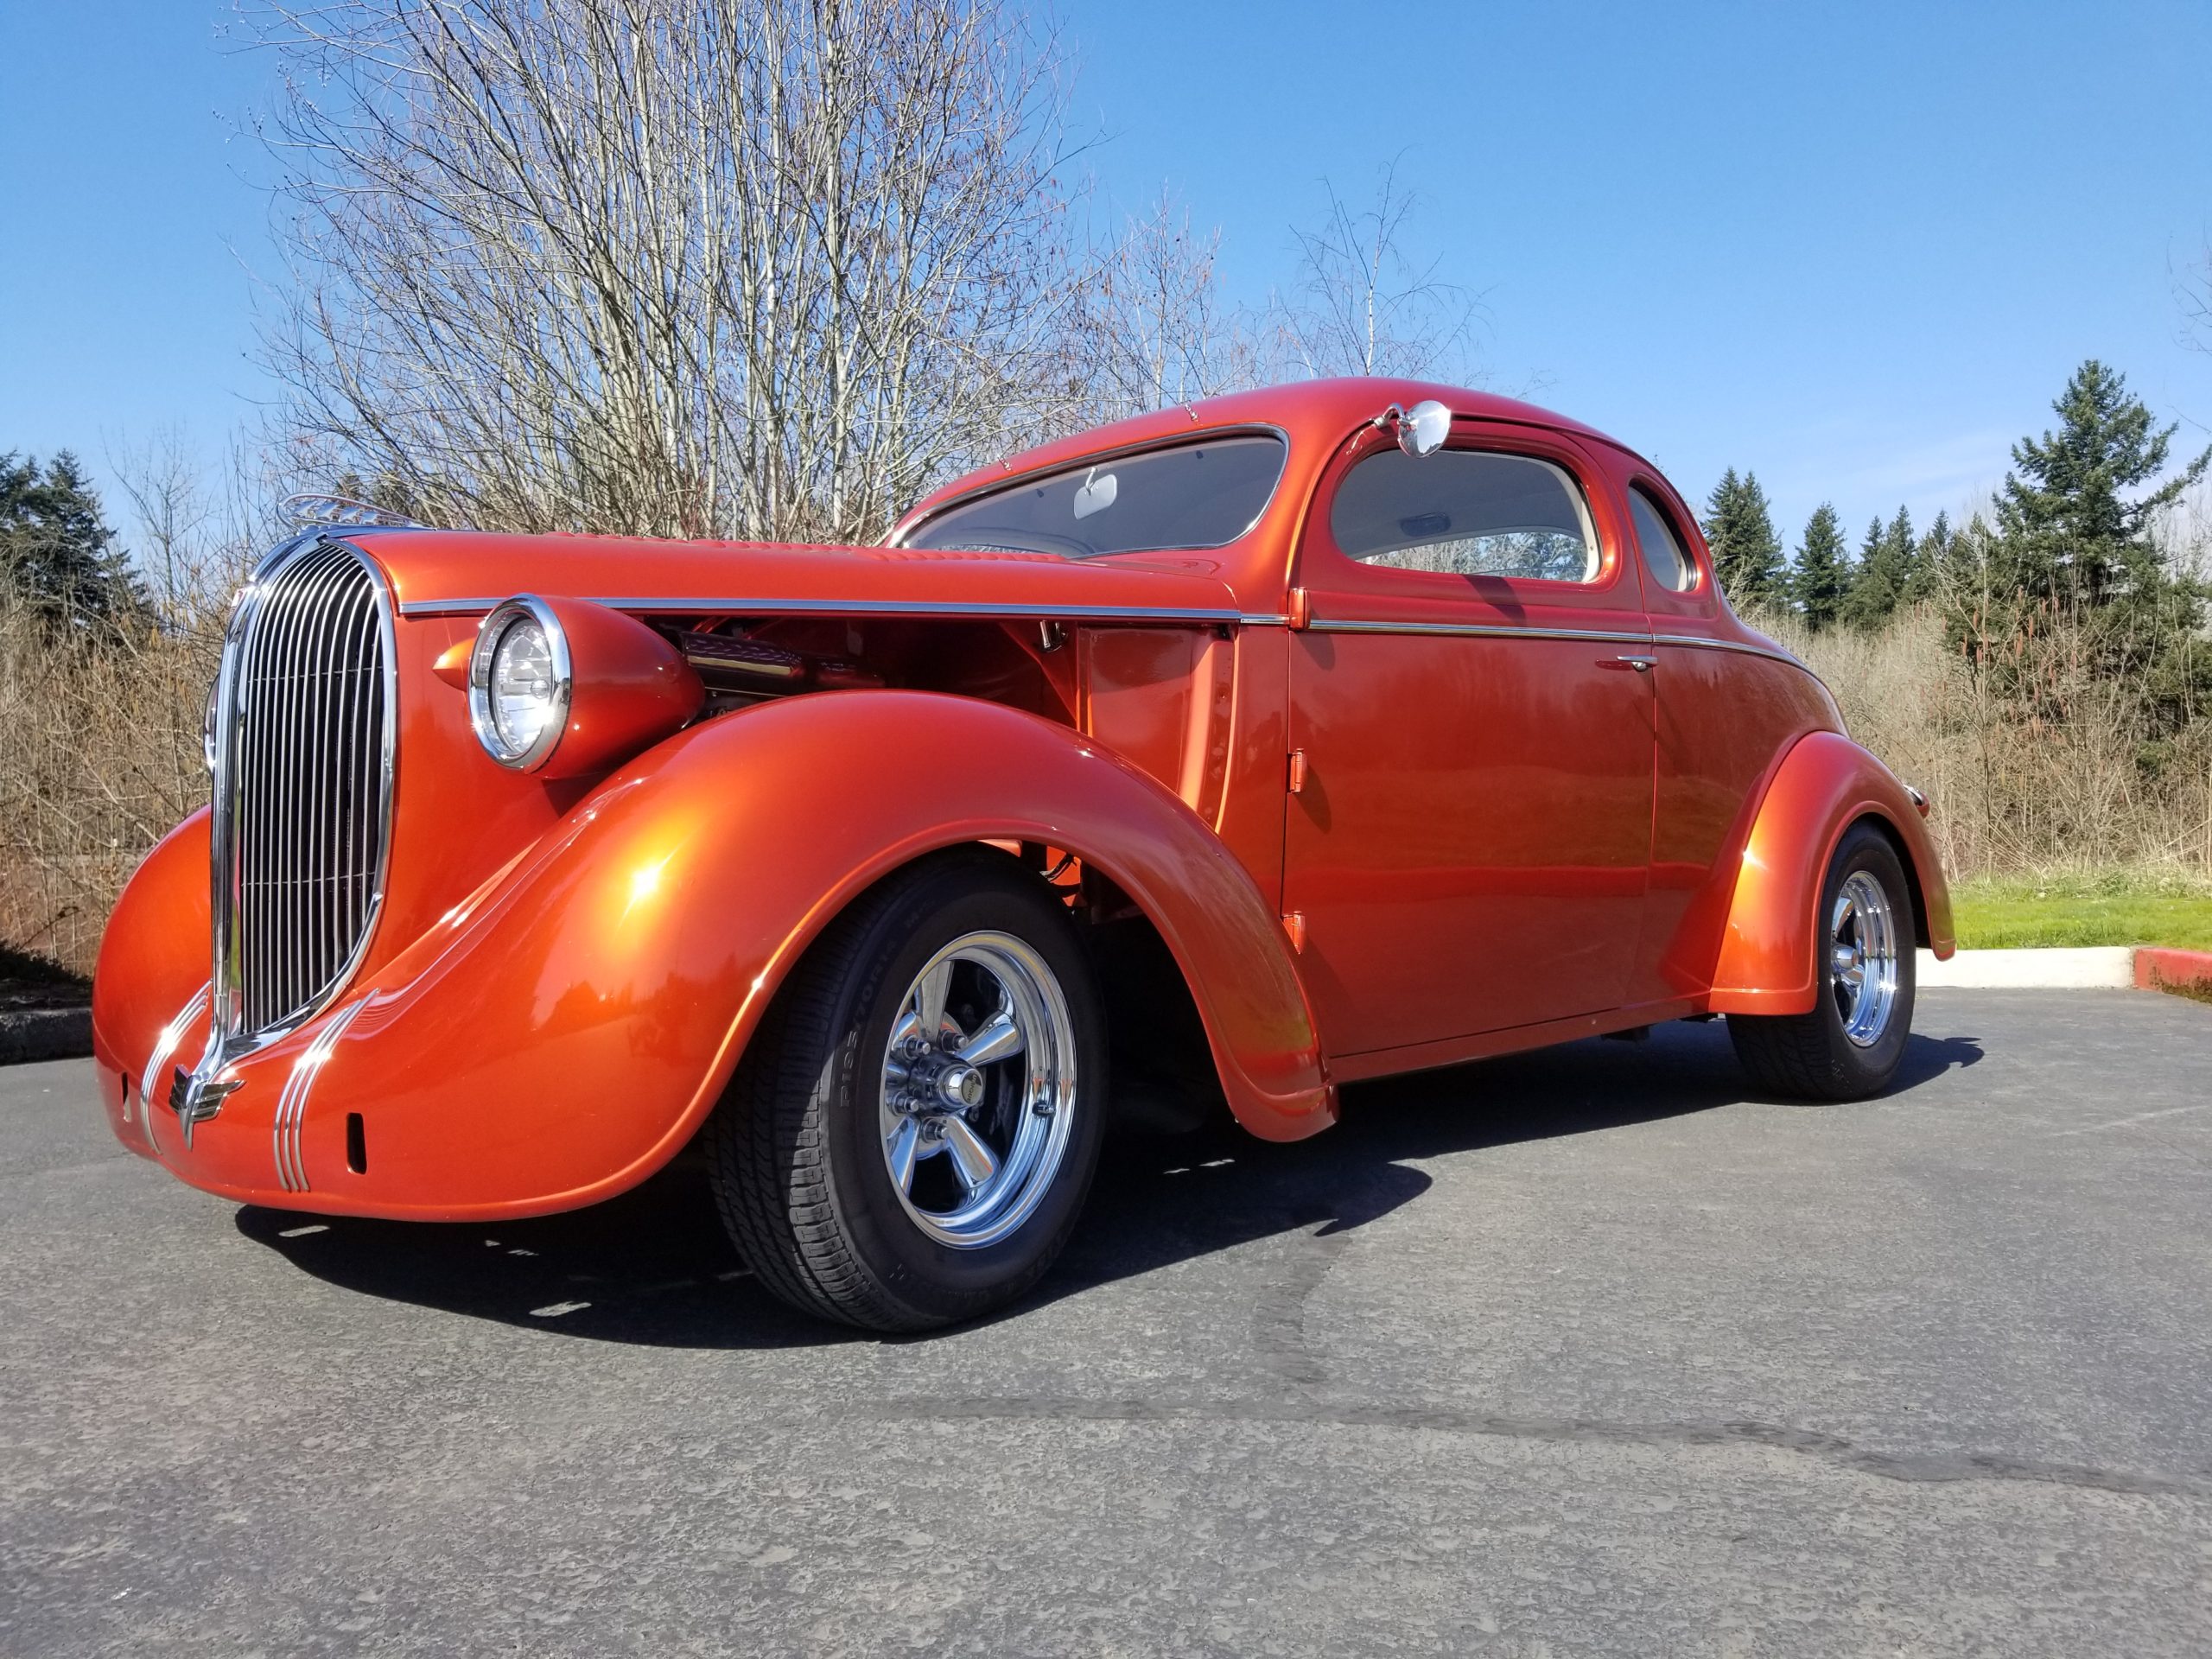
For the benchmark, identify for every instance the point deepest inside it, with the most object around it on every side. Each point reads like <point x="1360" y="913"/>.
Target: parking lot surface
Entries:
<point x="1580" y="1351"/>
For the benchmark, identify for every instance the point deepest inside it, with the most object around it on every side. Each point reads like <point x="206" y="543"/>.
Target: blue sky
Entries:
<point x="1856" y="249"/>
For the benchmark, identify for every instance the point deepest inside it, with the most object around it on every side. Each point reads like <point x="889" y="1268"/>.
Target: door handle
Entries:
<point x="1640" y="665"/>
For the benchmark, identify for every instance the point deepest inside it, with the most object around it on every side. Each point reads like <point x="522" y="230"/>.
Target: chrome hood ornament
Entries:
<point x="195" y="1099"/>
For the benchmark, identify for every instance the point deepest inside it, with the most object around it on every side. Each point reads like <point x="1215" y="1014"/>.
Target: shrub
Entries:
<point x="2073" y="781"/>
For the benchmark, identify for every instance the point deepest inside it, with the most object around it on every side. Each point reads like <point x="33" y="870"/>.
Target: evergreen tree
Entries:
<point x="1885" y="573"/>
<point x="1718" y="506"/>
<point x="2069" y="531"/>
<point x="1871" y="548"/>
<point x="2076" y="542"/>
<point x="57" y="554"/>
<point x="1929" y="560"/>
<point x="1822" y="575"/>
<point x="1873" y="584"/>
<point x="1900" y="548"/>
<point x="1747" y="553"/>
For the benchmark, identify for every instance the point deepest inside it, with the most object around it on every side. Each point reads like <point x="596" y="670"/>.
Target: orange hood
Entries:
<point x="439" y="572"/>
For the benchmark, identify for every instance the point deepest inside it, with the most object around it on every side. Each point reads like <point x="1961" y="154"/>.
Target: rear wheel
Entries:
<point x="911" y="1132"/>
<point x="1849" y="1046"/>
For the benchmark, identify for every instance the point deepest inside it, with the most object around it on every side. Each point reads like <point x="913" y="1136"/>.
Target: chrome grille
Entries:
<point x="307" y="785"/>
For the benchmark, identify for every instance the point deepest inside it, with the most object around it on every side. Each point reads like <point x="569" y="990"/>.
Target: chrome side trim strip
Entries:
<point x="732" y="605"/>
<point x="1482" y="631"/>
<point x="736" y="606"/>
<point x="292" y="1104"/>
<point x="165" y="1045"/>
<point x="1696" y="643"/>
<point x="1505" y="631"/>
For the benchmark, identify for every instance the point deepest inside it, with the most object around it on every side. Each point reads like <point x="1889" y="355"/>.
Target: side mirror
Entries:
<point x="1097" y="494"/>
<point x="1422" y="429"/>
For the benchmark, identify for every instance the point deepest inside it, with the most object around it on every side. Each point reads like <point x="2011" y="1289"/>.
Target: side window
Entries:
<point x="1664" y="556"/>
<point x="1466" y="512"/>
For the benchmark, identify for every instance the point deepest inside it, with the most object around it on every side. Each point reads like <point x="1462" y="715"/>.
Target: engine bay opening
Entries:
<point x="745" y="660"/>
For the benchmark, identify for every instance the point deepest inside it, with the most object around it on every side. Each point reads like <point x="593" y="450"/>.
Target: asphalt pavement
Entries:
<point x="1583" y="1351"/>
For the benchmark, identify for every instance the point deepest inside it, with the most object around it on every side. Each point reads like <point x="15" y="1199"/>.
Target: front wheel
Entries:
<point x="913" y="1130"/>
<point x="1849" y="1046"/>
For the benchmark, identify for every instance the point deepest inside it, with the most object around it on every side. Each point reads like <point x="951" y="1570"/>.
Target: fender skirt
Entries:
<point x="1824" y="785"/>
<point x="560" y="1035"/>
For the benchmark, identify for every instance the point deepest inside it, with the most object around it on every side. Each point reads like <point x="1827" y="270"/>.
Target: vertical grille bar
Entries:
<point x="314" y="691"/>
<point x="310" y="796"/>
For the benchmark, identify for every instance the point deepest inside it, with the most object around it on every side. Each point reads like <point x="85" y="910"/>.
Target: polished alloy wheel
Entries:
<point x="911" y="1132"/>
<point x="1850" y="1043"/>
<point x="1863" y="957"/>
<point x="979" y="1090"/>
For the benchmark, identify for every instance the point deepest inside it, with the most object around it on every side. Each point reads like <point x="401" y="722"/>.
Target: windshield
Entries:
<point x="1194" y="495"/>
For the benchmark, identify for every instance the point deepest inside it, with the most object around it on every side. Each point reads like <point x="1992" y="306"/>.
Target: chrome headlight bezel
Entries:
<point x="207" y="719"/>
<point x="523" y="608"/>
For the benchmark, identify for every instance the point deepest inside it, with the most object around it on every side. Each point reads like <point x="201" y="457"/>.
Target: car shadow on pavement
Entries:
<point x="1159" y="1202"/>
<point x="654" y="1267"/>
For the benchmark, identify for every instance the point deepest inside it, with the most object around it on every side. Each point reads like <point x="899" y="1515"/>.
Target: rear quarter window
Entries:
<point x="1664" y="554"/>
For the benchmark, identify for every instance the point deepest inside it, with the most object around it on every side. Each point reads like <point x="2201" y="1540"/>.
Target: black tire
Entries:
<point x="1812" y="1056"/>
<point x="795" y="1151"/>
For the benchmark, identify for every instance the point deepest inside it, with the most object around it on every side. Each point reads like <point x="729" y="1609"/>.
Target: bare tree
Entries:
<point x="1361" y="305"/>
<point x="1152" y="330"/>
<point x="2193" y="290"/>
<point x="763" y="268"/>
<point x="100" y="734"/>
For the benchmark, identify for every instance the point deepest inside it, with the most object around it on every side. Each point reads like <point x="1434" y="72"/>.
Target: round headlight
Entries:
<point x="520" y="681"/>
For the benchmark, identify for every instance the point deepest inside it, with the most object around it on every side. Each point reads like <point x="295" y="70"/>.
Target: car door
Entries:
<point x="1471" y="720"/>
<point x="1728" y="710"/>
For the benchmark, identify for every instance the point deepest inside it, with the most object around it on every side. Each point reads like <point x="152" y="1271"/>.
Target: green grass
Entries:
<point x="2117" y="907"/>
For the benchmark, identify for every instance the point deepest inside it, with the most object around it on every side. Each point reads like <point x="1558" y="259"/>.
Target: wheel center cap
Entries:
<point x="960" y="1087"/>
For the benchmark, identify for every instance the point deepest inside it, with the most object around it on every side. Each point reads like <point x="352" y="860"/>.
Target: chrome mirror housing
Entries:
<point x="1097" y="494"/>
<point x="1422" y="429"/>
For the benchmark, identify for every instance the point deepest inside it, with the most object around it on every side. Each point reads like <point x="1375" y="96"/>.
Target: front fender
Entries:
<point x="1824" y="785"/>
<point x="150" y="989"/>
<point x="561" y="1034"/>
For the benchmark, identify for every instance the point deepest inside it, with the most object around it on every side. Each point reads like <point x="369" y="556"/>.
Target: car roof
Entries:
<point x="1309" y="412"/>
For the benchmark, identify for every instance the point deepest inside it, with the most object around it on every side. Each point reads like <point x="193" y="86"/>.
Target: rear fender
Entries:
<point x="560" y="1036"/>
<point x="1824" y="785"/>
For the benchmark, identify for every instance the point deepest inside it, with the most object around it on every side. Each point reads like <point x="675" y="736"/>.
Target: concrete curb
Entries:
<point x="2090" y="968"/>
<point x="2101" y="967"/>
<point x="2187" y="973"/>
<point x="45" y="1035"/>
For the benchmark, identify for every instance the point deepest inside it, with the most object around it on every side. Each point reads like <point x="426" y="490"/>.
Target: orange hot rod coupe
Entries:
<point x="1231" y="754"/>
